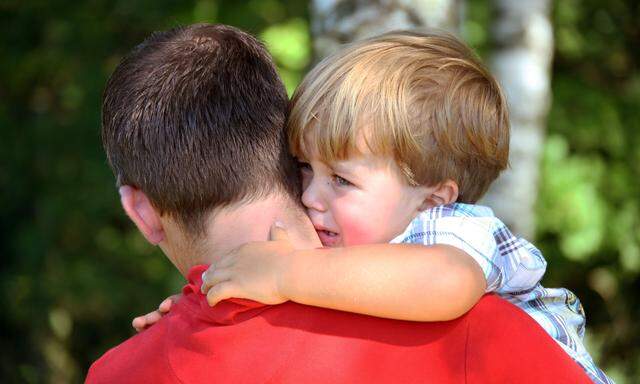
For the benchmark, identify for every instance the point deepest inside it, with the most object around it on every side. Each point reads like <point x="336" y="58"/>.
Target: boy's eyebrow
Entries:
<point x="341" y="167"/>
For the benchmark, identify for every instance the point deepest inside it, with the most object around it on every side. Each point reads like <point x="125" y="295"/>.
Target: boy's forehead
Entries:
<point x="359" y="157"/>
<point x="316" y="141"/>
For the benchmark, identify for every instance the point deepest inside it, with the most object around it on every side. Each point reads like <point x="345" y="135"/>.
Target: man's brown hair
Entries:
<point x="194" y="117"/>
<point x="424" y="99"/>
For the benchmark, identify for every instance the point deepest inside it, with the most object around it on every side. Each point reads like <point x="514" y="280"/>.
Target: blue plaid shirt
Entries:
<point x="513" y="268"/>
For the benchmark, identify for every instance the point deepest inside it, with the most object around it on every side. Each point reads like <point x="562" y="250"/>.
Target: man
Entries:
<point x="193" y="128"/>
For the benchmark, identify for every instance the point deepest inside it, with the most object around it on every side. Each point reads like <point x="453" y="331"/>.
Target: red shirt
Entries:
<point x="240" y="341"/>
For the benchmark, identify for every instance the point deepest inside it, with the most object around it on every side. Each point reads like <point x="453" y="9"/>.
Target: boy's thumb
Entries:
<point x="278" y="232"/>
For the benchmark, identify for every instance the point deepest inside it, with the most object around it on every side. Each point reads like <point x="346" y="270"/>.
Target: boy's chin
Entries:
<point x="329" y="239"/>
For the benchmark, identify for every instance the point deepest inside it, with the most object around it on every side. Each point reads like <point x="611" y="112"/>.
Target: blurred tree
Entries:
<point x="336" y="22"/>
<point x="589" y="204"/>
<point x="521" y="60"/>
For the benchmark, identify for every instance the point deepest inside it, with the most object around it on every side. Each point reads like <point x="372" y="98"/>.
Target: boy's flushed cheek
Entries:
<point x="355" y="236"/>
<point x="359" y="230"/>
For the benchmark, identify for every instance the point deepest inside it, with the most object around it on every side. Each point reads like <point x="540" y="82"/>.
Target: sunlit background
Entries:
<point x="75" y="271"/>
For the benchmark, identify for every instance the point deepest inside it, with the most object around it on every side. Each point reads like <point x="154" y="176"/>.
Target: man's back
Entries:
<point x="245" y="342"/>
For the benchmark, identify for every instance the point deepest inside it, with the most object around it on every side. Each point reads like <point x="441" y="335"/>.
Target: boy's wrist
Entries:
<point x="290" y="284"/>
<point x="286" y="282"/>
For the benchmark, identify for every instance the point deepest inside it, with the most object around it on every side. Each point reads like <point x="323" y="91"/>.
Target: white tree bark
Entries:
<point x="335" y="22"/>
<point x="521" y="61"/>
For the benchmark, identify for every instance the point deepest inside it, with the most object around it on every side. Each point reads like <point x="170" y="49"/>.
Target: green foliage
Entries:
<point x="588" y="211"/>
<point x="589" y="202"/>
<point x="74" y="270"/>
<point x="290" y="46"/>
<point x="570" y="204"/>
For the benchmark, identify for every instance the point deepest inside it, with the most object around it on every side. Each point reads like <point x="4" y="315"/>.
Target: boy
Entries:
<point x="398" y="136"/>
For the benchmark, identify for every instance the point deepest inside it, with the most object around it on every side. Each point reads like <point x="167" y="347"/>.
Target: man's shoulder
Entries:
<point x="494" y="317"/>
<point x="505" y="339"/>
<point x="139" y="357"/>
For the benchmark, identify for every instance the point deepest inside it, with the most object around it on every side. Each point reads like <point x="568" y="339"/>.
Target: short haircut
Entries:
<point x="194" y="117"/>
<point x="423" y="98"/>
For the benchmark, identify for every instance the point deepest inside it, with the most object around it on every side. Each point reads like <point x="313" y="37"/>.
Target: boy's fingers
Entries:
<point x="210" y="279"/>
<point x="142" y="322"/>
<point x="138" y="323"/>
<point x="278" y="232"/>
<point x="225" y="262"/>
<point x="165" y="306"/>
<point x="152" y="318"/>
<point x="220" y="292"/>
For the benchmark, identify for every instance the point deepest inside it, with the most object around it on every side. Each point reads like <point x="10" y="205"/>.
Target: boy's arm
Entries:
<point x="399" y="281"/>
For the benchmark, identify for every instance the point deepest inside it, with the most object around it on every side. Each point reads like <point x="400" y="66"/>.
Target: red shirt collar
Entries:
<point x="226" y="312"/>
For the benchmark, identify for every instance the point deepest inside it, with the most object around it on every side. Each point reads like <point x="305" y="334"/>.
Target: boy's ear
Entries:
<point x="445" y="192"/>
<point x="139" y="209"/>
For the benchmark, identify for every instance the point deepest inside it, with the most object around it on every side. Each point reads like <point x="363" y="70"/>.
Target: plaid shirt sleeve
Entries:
<point x="510" y="264"/>
<point x="512" y="267"/>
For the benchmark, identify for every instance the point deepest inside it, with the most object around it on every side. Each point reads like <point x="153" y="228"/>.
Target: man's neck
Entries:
<point x="232" y="226"/>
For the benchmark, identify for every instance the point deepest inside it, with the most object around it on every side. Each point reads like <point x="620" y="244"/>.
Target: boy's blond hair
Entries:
<point x="424" y="99"/>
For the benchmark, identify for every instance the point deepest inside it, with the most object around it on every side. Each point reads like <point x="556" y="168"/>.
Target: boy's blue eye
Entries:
<point x="341" y="181"/>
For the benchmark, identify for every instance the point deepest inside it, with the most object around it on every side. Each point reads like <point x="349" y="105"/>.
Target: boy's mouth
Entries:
<point x="328" y="238"/>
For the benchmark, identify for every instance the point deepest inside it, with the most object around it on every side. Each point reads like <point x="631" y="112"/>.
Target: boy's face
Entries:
<point x="360" y="200"/>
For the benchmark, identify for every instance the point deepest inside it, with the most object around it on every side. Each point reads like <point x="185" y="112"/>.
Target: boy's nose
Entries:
<point x="311" y="197"/>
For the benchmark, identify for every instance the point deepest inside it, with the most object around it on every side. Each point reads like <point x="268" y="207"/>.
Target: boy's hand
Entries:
<point x="254" y="271"/>
<point x="141" y="323"/>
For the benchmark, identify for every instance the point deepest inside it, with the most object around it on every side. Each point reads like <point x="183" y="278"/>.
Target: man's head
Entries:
<point x="423" y="100"/>
<point x="192" y="122"/>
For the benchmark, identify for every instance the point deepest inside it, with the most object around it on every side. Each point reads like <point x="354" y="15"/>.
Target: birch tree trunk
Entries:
<point x="521" y="61"/>
<point x="335" y="22"/>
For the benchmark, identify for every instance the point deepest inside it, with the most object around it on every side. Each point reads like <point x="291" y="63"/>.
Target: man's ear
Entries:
<point x="445" y="192"/>
<point x="139" y="209"/>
